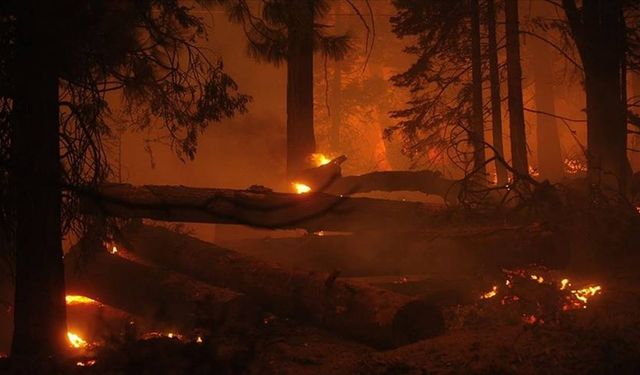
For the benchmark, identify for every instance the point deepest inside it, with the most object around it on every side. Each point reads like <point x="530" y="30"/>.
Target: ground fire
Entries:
<point x="319" y="187"/>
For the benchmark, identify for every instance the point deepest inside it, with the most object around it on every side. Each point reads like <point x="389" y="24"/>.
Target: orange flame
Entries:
<point x="301" y="188"/>
<point x="76" y="341"/>
<point x="490" y="294"/>
<point x="319" y="159"/>
<point x="79" y="300"/>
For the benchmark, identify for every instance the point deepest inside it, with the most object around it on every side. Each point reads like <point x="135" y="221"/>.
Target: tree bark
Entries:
<point x="157" y="295"/>
<point x="40" y="318"/>
<point x="496" y="99"/>
<point x="477" y="121"/>
<point x="336" y="108"/>
<point x="375" y="316"/>
<point x="312" y="211"/>
<point x="550" y="164"/>
<point x="301" y="141"/>
<point x="514" y="84"/>
<point x="598" y="30"/>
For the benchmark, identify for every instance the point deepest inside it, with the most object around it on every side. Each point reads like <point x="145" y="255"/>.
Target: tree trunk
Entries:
<point x="477" y="117"/>
<point x="599" y="36"/>
<point x="514" y="84"/>
<point x="375" y="316"/>
<point x="550" y="163"/>
<point x="496" y="105"/>
<point x="301" y="141"/>
<point x="159" y="296"/>
<point x="40" y="317"/>
<point x="313" y="211"/>
<point x="634" y="157"/>
<point x="336" y="108"/>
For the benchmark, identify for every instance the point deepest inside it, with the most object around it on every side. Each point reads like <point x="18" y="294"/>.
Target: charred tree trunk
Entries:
<point x="598" y="30"/>
<point x="40" y="318"/>
<point x="156" y="294"/>
<point x="477" y="121"/>
<point x="550" y="162"/>
<point x="313" y="211"/>
<point x="496" y="105"/>
<point x="301" y="141"/>
<point x="514" y="84"/>
<point x="375" y="316"/>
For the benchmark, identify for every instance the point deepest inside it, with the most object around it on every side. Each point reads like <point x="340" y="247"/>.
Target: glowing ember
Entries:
<point x="199" y="340"/>
<point x="574" y="166"/>
<point x="490" y="294"/>
<point x="114" y="249"/>
<point x="79" y="300"/>
<point x="76" y="341"/>
<point x="583" y="294"/>
<point x="564" y="283"/>
<point x="537" y="278"/>
<point x="533" y="172"/>
<point x="86" y="364"/>
<point x="319" y="159"/>
<point x="301" y="188"/>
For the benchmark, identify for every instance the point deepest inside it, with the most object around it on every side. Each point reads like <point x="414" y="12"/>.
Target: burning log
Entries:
<point x="313" y="211"/>
<point x="328" y="179"/>
<point x="155" y="294"/>
<point x="378" y="317"/>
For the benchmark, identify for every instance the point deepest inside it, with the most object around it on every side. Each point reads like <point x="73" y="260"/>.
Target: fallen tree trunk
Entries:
<point x="313" y="211"/>
<point x="378" y="317"/>
<point x="157" y="295"/>
<point x="328" y="179"/>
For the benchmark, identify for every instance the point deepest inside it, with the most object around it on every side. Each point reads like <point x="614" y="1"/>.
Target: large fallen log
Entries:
<point x="378" y="317"/>
<point x="313" y="211"/>
<point x="328" y="179"/>
<point x="159" y="296"/>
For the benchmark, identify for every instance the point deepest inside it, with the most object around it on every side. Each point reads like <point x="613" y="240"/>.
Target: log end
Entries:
<point x="415" y="321"/>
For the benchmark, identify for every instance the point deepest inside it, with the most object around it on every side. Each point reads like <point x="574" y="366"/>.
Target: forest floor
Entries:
<point x="485" y="337"/>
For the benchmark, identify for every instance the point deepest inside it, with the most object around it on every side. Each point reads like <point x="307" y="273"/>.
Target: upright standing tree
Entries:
<point x="496" y="99"/>
<point x="598" y="29"/>
<point x="289" y="31"/>
<point x="477" y="112"/>
<point x="514" y="83"/>
<point x="57" y="61"/>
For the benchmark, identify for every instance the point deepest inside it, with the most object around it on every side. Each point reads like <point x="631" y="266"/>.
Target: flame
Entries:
<point x="76" y="341"/>
<point x="114" y="249"/>
<point x="301" y="188"/>
<point x="86" y="364"/>
<point x="199" y="340"/>
<point x="537" y="278"/>
<point x="564" y="283"/>
<point x="583" y="294"/>
<point x="319" y="159"/>
<point x="79" y="300"/>
<point x="490" y="294"/>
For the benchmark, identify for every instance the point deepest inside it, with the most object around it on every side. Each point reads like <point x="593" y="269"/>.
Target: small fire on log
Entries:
<point x="80" y="300"/>
<point x="301" y="188"/>
<point x="76" y="341"/>
<point x="320" y="159"/>
<point x="574" y="166"/>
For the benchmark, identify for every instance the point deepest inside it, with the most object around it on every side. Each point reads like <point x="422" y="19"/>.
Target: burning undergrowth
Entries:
<point x="532" y="296"/>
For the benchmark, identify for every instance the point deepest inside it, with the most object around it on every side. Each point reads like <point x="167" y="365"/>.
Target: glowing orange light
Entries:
<point x="301" y="188"/>
<point x="86" y="364"/>
<point x="490" y="294"/>
<point x="79" y="300"/>
<point x="76" y="341"/>
<point x="319" y="159"/>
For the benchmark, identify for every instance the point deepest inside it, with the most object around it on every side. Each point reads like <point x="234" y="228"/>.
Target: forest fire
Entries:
<point x="252" y="186"/>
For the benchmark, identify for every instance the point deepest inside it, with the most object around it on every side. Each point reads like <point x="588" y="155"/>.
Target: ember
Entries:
<point x="490" y="294"/>
<point x="88" y="363"/>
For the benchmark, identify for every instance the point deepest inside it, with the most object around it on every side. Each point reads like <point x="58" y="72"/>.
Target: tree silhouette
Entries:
<point x="58" y="61"/>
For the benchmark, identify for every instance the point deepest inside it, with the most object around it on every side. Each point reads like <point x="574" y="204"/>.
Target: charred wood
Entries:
<point x="375" y="316"/>
<point x="157" y="295"/>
